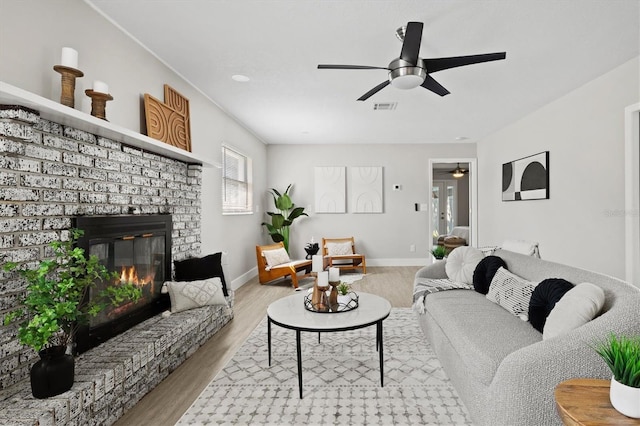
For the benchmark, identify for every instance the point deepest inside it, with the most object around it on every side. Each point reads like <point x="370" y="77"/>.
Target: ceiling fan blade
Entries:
<point x="373" y="91"/>
<point x="430" y="84"/>
<point x="411" y="44"/>
<point x="439" y="64"/>
<point x="349" y="67"/>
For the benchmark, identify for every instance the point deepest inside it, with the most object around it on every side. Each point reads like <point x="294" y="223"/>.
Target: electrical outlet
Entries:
<point x="412" y="248"/>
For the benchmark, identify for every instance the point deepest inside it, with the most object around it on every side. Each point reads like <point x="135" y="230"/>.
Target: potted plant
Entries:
<point x="283" y="218"/>
<point x="438" y="252"/>
<point x="622" y="355"/>
<point x="52" y="308"/>
<point x="343" y="294"/>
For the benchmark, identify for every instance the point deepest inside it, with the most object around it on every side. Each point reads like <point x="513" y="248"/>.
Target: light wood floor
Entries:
<point x="167" y="402"/>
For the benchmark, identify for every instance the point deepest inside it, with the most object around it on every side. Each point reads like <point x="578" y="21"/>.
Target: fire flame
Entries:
<point x="129" y="275"/>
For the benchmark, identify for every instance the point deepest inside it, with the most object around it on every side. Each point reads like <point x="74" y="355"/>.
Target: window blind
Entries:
<point x="236" y="182"/>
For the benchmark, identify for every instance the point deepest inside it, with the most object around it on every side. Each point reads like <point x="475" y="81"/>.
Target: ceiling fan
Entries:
<point x="458" y="172"/>
<point x="410" y="71"/>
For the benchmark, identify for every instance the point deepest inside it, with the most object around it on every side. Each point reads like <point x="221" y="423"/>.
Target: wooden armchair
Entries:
<point x="266" y="274"/>
<point x="349" y="260"/>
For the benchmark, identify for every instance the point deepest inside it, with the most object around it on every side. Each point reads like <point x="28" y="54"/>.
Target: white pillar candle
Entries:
<point x="316" y="263"/>
<point x="69" y="57"/>
<point x="323" y="279"/>
<point x="100" y="87"/>
<point x="334" y="274"/>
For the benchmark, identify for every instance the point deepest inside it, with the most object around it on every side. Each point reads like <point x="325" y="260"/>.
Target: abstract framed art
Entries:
<point x="366" y="190"/>
<point x="526" y="178"/>
<point x="330" y="190"/>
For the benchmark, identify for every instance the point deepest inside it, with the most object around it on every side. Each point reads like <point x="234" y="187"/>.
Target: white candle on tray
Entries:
<point x="69" y="57"/>
<point x="316" y="263"/>
<point x="323" y="279"/>
<point x="100" y="87"/>
<point x="334" y="274"/>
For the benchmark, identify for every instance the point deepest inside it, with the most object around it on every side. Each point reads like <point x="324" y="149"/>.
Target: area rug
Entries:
<point x="341" y="381"/>
<point x="351" y="278"/>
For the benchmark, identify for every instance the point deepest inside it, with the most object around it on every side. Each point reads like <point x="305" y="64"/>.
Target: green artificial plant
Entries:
<point x="283" y="218"/>
<point x="343" y="288"/>
<point x="622" y="355"/>
<point x="438" y="252"/>
<point x="52" y="306"/>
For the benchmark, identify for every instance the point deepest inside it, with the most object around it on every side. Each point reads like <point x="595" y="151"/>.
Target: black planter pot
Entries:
<point x="53" y="374"/>
<point x="311" y="249"/>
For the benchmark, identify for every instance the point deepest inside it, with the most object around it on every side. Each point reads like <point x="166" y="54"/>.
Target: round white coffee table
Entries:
<point x="289" y="312"/>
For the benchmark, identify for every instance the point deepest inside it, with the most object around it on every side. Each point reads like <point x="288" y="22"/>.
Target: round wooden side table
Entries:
<point x="585" y="402"/>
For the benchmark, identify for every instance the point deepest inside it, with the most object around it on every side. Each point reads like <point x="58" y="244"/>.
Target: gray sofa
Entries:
<point x="499" y="365"/>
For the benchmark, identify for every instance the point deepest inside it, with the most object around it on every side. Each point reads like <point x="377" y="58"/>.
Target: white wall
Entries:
<point x="582" y="224"/>
<point x="384" y="238"/>
<point x="583" y="130"/>
<point x="32" y="34"/>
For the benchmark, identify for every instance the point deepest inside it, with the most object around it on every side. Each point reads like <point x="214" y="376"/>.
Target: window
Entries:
<point x="237" y="190"/>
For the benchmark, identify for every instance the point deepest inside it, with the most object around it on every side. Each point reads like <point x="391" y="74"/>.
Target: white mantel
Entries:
<point x="62" y="114"/>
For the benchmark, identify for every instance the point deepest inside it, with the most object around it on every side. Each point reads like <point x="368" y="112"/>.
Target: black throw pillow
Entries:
<point x="485" y="271"/>
<point x="544" y="298"/>
<point x="201" y="268"/>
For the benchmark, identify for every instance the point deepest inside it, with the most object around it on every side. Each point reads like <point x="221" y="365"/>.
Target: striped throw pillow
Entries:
<point x="511" y="292"/>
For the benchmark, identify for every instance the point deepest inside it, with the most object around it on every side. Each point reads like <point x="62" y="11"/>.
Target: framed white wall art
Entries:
<point x="330" y="190"/>
<point x="365" y="188"/>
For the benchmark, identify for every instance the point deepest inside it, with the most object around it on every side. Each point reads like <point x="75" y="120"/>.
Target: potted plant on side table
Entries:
<point x="52" y="308"/>
<point x="622" y="355"/>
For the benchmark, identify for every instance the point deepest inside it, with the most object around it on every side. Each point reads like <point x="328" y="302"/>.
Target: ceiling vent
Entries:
<point x="385" y="106"/>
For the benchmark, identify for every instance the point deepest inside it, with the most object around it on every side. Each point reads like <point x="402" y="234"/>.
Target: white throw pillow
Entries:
<point x="339" y="249"/>
<point x="186" y="295"/>
<point x="511" y="292"/>
<point x="461" y="263"/>
<point x="577" y="307"/>
<point x="276" y="257"/>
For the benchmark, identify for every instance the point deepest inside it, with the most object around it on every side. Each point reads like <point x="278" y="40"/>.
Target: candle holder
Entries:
<point x="333" y="295"/>
<point x="98" y="103"/>
<point x="319" y="299"/>
<point x="68" y="82"/>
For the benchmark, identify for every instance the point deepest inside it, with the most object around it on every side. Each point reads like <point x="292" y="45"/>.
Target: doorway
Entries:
<point x="453" y="183"/>
<point x="445" y="205"/>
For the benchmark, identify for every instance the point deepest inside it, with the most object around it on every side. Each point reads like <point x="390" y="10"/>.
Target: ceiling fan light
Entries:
<point x="457" y="173"/>
<point x="407" y="77"/>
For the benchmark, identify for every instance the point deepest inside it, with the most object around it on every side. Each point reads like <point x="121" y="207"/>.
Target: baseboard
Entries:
<point x="244" y="278"/>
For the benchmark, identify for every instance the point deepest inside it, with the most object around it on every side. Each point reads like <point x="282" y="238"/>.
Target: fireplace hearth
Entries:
<point x="138" y="249"/>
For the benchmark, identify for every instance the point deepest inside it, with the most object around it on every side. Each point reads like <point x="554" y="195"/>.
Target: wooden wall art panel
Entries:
<point x="178" y="102"/>
<point x="168" y="121"/>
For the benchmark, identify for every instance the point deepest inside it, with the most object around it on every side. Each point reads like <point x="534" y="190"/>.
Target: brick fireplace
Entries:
<point x="51" y="173"/>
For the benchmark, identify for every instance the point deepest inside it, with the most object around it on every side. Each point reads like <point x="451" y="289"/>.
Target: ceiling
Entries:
<point x="553" y="47"/>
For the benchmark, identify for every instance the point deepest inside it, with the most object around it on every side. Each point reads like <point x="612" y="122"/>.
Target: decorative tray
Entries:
<point x="327" y="308"/>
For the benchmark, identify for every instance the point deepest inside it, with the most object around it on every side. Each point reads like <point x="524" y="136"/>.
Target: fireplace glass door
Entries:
<point x="138" y="260"/>
<point x="138" y="249"/>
